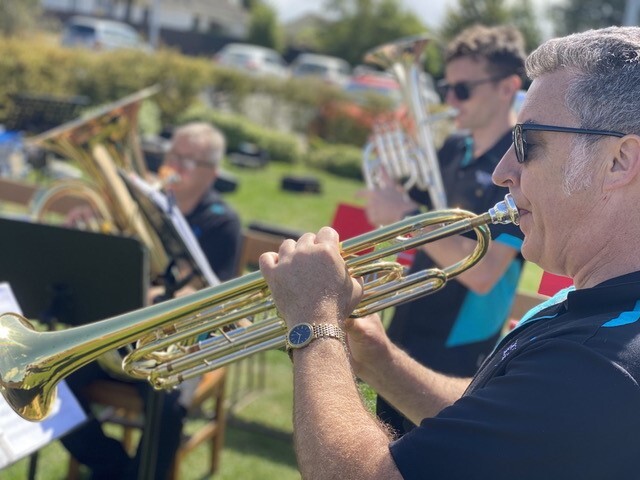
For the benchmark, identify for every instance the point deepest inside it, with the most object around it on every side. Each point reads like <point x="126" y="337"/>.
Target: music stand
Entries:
<point x="72" y="276"/>
<point x="35" y="113"/>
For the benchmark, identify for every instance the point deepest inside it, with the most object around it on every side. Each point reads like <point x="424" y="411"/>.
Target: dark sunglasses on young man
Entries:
<point x="520" y="135"/>
<point x="463" y="90"/>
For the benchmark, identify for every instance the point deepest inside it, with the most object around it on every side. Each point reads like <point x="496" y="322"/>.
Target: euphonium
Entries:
<point x="101" y="145"/>
<point x="237" y="317"/>
<point x="411" y="157"/>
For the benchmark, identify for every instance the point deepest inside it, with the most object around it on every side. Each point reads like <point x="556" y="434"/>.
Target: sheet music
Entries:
<point x="19" y="437"/>
<point x="181" y="225"/>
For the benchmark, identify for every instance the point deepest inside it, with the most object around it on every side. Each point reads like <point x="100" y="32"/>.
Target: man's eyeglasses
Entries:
<point x="463" y="90"/>
<point x="520" y="135"/>
<point x="186" y="163"/>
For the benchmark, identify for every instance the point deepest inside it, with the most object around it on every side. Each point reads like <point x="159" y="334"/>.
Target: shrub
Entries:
<point x="282" y="147"/>
<point x="341" y="160"/>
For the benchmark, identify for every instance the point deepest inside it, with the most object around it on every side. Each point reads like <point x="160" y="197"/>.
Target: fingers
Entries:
<point x="327" y="235"/>
<point x="267" y="261"/>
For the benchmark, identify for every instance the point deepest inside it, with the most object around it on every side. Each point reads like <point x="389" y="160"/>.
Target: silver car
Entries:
<point x="253" y="59"/>
<point x="101" y="34"/>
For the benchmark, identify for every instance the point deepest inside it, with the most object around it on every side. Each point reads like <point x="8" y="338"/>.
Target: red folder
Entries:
<point x="550" y="283"/>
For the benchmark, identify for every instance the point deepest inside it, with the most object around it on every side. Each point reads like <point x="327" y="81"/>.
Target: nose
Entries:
<point x="451" y="99"/>
<point x="507" y="172"/>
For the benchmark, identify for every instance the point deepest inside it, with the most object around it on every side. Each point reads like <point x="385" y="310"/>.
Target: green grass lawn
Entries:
<point x="258" y="441"/>
<point x="259" y="196"/>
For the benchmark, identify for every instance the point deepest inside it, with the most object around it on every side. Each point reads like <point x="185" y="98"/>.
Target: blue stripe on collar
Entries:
<point x="559" y="297"/>
<point x="625" y="318"/>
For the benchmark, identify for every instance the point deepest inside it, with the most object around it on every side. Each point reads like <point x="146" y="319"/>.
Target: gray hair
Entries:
<point x="208" y="135"/>
<point x="604" y="92"/>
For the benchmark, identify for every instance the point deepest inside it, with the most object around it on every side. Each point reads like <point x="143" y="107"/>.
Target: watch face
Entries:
<point x="300" y="335"/>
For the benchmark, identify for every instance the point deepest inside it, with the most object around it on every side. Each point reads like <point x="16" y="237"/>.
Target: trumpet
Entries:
<point x="185" y="337"/>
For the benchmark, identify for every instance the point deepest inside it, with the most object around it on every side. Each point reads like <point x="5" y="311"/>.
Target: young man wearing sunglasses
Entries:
<point x="558" y="397"/>
<point x="483" y="73"/>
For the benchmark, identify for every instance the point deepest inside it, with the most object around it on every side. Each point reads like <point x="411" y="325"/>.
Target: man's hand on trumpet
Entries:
<point x="388" y="203"/>
<point x="309" y="280"/>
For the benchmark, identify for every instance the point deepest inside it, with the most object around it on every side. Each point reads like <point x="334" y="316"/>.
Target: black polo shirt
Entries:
<point x="557" y="399"/>
<point x="453" y="329"/>
<point x="218" y="230"/>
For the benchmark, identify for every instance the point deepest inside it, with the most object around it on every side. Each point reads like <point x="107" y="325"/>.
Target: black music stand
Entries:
<point x="35" y="113"/>
<point x="74" y="277"/>
<point x="71" y="276"/>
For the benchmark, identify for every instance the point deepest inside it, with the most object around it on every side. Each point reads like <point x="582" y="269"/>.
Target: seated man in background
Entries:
<point x="195" y="154"/>
<point x="194" y="157"/>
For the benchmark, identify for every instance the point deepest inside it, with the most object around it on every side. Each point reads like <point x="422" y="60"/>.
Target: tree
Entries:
<point x="492" y="12"/>
<point x="360" y="25"/>
<point x="264" y="28"/>
<point x="17" y="16"/>
<point x="578" y="15"/>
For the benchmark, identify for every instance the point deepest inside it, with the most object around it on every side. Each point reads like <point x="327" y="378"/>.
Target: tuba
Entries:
<point x="407" y="157"/>
<point x="106" y="147"/>
<point x="237" y="318"/>
<point x="101" y="145"/>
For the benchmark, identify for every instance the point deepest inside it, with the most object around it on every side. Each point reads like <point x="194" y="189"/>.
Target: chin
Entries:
<point x="529" y="252"/>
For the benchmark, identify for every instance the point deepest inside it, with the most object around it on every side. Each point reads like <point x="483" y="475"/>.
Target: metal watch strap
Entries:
<point x="328" y="330"/>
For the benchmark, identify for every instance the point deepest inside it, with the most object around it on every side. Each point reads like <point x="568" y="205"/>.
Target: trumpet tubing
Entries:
<point x="188" y="336"/>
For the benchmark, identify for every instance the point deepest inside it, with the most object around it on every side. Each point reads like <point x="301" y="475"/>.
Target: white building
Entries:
<point x="224" y="17"/>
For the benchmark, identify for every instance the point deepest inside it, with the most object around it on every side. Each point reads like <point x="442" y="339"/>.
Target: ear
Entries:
<point x="510" y="85"/>
<point x="624" y="166"/>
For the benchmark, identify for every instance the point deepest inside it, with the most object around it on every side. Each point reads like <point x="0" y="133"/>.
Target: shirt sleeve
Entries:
<point x="558" y="410"/>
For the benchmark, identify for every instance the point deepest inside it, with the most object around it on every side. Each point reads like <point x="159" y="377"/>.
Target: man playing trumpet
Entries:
<point x="558" y="397"/>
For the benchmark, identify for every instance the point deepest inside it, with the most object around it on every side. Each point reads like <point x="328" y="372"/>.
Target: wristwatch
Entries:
<point x="303" y="334"/>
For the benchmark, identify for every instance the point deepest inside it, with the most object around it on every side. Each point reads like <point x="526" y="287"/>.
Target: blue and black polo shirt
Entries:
<point x="218" y="230"/>
<point x="557" y="399"/>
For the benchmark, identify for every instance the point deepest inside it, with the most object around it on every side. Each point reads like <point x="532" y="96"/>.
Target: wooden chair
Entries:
<point x="251" y="371"/>
<point x="254" y="244"/>
<point x="121" y="404"/>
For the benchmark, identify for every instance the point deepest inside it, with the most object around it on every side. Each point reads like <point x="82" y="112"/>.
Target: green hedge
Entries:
<point x="36" y="66"/>
<point x="281" y="146"/>
<point x="341" y="160"/>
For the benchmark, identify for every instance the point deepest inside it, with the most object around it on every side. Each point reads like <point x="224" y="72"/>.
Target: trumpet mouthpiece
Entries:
<point x="505" y="211"/>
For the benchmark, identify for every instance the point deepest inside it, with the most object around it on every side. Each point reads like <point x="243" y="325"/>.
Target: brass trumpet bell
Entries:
<point x="236" y="317"/>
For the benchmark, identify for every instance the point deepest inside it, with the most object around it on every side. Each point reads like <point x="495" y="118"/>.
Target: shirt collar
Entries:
<point x="625" y="288"/>
<point x="494" y="154"/>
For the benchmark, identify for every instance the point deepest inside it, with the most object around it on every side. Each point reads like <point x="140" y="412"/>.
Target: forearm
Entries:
<point x="413" y="389"/>
<point x="335" y="435"/>
<point x="485" y="274"/>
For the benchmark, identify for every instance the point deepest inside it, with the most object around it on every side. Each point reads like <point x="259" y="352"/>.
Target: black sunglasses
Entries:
<point x="520" y="138"/>
<point x="462" y="90"/>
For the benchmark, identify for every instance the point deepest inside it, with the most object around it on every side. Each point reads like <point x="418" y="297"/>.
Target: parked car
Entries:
<point x="254" y="59"/>
<point x="333" y="70"/>
<point x="101" y="34"/>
